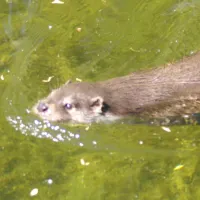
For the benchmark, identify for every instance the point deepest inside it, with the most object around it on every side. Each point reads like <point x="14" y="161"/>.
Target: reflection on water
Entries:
<point x="44" y="129"/>
<point x="184" y="6"/>
<point x="30" y="8"/>
<point x="98" y="141"/>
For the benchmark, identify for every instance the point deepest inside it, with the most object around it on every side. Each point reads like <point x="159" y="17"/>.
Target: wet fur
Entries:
<point x="169" y="90"/>
<point x="166" y="91"/>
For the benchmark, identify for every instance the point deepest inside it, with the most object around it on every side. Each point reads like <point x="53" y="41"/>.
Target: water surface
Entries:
<point x="92" y="40"/>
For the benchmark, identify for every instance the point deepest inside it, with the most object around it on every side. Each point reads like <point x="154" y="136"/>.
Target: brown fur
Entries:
<point x="169" y="90"/>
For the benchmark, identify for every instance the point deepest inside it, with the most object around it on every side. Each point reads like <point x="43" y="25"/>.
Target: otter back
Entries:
<point x="170" y="90"/>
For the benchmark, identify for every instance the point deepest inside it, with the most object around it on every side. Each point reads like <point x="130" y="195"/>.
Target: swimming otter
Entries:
<point x="171" y="90"/>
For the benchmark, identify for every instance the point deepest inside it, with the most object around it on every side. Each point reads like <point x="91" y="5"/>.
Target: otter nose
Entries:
<point x="42" y="107"/>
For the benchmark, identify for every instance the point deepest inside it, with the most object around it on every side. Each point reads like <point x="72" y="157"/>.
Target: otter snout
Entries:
<point x="42" y="107"/>
<point x="48" y="111"/>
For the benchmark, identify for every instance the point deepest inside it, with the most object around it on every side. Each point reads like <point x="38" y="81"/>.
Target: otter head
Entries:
<point x="74" y="102"/>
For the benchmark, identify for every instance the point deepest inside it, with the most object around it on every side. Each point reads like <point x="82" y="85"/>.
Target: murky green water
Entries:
<point x="92" y="40"/>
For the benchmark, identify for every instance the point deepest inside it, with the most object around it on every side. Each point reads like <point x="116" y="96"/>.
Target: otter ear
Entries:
<point x="97" y="104"/>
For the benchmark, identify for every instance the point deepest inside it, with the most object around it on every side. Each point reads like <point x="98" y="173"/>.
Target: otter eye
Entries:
<point x="68" y="106"/>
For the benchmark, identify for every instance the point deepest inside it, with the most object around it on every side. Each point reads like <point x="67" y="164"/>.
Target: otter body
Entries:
<point x="171" y="90"/>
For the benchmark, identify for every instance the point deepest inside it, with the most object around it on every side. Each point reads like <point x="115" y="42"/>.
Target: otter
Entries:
<point x="169" y="90"/>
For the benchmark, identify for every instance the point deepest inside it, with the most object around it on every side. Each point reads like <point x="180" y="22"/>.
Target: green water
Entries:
<point x="92" y="40"/>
